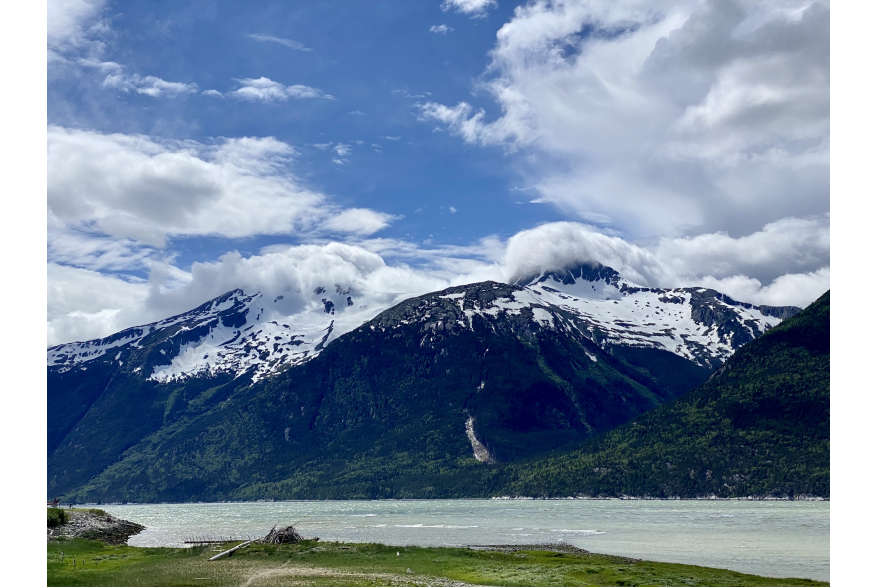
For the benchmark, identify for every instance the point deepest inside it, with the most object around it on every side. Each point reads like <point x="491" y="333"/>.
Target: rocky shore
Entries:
<point x="95" y="525"/>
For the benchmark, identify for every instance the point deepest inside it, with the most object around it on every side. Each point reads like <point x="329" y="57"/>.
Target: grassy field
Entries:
<point x="334" y="564"/>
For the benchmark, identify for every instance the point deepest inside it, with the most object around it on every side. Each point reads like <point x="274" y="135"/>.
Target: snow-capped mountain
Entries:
<point x="246" y="332"/>
<point x="238" y="332"/>
<point x="699" y="324"/>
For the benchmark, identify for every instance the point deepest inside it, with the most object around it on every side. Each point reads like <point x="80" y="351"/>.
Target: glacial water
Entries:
<point x="769" y="538"/>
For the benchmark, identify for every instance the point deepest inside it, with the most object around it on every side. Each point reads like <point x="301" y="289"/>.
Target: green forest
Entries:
<point x="377" y="416"/>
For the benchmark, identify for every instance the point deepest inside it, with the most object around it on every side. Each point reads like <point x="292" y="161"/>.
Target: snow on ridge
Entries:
<point x="237" y="333"/>
<point x="248" y="332"/>
<point x="70" y="354"/>
<point x="651" y="317"/>
<point x="697" y="324"/>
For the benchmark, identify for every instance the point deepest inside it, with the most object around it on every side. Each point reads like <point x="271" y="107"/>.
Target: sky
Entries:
<point x="196" y="147"/>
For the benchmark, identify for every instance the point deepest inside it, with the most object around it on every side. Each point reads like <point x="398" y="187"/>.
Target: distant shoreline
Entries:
<point x="501" y="498"/>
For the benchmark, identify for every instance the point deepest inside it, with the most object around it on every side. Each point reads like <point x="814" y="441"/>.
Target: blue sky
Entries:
<point x="377" y="60"/>
<point x="682" y="142"/>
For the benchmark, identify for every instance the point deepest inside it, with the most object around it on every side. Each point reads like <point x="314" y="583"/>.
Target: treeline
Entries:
<point x="393" y="429"/>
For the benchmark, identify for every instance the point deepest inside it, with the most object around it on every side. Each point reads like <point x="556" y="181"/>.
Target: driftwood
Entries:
<point x="230" y="550"/>
<point x="288" y="535"/>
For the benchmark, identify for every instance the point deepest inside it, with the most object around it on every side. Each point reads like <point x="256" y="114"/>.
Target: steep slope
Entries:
<point x="248" y="332"/>
<point x="698" y="324"/>
<point x="428" y="386"/>
<point x="759" y="426"/>
<point x="588" y="352"/>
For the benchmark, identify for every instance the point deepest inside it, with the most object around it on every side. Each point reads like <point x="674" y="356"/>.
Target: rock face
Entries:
<point x="96" y="526"/>
<point x="538" y="364"/>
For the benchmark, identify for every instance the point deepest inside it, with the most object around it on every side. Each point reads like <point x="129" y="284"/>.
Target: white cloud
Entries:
<point x="797" y="289"/>
<point x="133" y="187"/>
<point x="102" y="66"/>
<point x="84" y="304"/>
<point x="73" y="25"/>
<point x="392" y="138"/>
<point x="452" y="209"/>
<point x="441" y="29"/>
<point x="280" y="41"/>
<point x="359" y="221"/>
<point x="474" y="8"/>
<point x="214" y="93"/>
<point x="264" y="89"/>
<point x="760" y="267"/>
<point x="388" y="270"/>
<point x="663" y="117"/>
<point x="77" y="32"/>
<point x="149" y="85"/>
<point x="356" y="113"/>
<point x="94" y="251"/>
<point x="342" y="150"/>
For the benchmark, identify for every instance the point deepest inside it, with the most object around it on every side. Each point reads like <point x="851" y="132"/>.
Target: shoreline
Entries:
<point x="437" y="499"/>
<point x="356" y="563"/>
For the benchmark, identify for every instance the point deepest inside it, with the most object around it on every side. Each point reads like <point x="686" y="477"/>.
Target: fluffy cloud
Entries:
<point x="359" y="221"/>
<point x="474" y="8"/>
<point x="784" y="252"/>
<point x="94" y="251"/>
<point x="72" y="25"/>
<point x="663" y="117"/>
<point x="385" y="271"/>
<point x="149" y="85"/>
<point x="133" y="187"/>
<point x="84" y="304"/>
<point x="441" y="29"/>
<point x="267" y="90"/>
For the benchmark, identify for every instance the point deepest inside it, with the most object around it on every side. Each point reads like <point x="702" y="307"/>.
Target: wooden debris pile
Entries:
<point x="288" y="535"/>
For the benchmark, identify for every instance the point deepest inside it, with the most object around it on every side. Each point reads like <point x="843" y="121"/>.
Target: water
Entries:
<point x="769" y="538"/>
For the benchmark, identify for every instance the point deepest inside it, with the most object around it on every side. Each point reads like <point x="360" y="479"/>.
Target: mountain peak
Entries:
<point x="248" y="332"/>
<point x="590" y="272"/>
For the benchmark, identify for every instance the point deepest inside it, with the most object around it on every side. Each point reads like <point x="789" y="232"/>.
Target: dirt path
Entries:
<point x="266" y="577"/>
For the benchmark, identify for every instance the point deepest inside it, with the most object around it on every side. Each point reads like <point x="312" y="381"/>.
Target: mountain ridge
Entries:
<point x="567" y="373"/>
<point x="759" y="426"/>
<point x="716" y="324"/>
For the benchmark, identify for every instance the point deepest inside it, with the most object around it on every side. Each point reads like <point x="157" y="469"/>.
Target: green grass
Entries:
<point x="95" y="511"/>
<point x="335" y="564"/>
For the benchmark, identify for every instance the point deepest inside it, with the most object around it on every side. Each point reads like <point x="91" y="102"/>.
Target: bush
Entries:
<point x="55" y="517"/>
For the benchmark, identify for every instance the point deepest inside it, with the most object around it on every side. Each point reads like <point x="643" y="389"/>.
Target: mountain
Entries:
<point x="759" y="426"/>
<point x="251" y="395"/>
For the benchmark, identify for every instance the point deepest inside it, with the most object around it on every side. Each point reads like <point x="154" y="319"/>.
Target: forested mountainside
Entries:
<point x="759" y="426"/>
<point x="232" y="401"/>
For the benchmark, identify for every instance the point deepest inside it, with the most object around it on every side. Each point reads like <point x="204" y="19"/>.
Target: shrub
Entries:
<point x="55" y="517"/>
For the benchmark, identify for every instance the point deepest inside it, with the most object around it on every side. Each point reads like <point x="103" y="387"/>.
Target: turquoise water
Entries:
<point x="769" y="538"/>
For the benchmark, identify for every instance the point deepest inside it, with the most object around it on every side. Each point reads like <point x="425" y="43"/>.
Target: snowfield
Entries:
<point x="249" y="333"/>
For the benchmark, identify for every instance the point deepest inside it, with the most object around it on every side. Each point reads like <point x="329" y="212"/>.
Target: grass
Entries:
<point x="95" y="511"/>
<point x="335" y="564"/>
